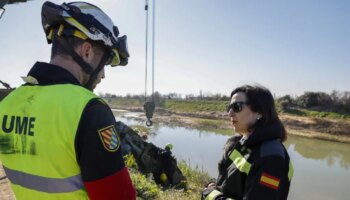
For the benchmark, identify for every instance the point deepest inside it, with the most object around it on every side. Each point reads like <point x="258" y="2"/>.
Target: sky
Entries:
<point x="289" y="46"/>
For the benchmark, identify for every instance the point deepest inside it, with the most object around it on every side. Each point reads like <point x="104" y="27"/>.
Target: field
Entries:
<point x="211" y="115"/>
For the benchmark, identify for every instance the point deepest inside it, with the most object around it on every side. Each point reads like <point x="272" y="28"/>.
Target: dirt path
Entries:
<point x="5" y="190"/>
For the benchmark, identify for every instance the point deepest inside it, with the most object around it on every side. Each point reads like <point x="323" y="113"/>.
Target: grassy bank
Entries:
<point x="147" y="189"/>
<point x="319" y="114"/>
<point x="195" y="106"/>
<point x="121" y="102"/>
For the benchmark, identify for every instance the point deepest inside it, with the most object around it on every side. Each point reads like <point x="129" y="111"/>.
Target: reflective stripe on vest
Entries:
<point x="43" y="184"/>
<point x="212" y="195"/>
<point x="241" y="163"/>
<point x="290" y="171"/>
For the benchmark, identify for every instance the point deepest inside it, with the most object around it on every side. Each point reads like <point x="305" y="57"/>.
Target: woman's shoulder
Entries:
<point x="231" y="142"/>
<point x="272" y="148"/>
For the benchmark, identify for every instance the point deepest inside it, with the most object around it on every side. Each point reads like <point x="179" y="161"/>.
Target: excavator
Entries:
<point x="151" y="159"/>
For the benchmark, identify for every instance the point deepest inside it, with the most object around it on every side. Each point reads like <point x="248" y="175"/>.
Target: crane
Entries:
<point x="149" y="105"/>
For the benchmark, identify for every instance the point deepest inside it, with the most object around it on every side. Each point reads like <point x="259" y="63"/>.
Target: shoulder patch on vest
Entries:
<point x="109" y="138"/>
<point x="272" y="148"/>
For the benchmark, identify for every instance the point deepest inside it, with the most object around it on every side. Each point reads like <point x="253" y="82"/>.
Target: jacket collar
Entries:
<point x="49" y="74"/>
<point x="266" y="133"/>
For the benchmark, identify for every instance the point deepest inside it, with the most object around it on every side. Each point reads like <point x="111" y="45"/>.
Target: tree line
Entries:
<point x="336" y="101"/>
<point x="333" y="102"/>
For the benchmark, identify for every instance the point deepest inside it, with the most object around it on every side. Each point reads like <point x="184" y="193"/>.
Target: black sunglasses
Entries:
<point x="236" y="106"/>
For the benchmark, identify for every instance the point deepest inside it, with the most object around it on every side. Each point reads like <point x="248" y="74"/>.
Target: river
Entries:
<point x="321" y="168"/>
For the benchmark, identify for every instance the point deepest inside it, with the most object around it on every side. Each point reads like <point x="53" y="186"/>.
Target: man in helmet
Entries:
<point x="58" y="139"/>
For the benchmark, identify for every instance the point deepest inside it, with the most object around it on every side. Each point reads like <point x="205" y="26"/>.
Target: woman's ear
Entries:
<point x="258" y="116"/>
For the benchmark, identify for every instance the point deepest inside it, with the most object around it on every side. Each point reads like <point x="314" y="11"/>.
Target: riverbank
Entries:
<point x="329" y="129"/>
<point x="147" y="189"/>
<point x="5" y="190"/>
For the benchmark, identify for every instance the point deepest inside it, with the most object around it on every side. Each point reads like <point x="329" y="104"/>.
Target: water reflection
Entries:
<point x="330" y="152"/>
<point x="200" y="149"/>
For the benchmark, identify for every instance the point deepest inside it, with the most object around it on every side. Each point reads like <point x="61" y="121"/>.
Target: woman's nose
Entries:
<point x="231" y="113"/>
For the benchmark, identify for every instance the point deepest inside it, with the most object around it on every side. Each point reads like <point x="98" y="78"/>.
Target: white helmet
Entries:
<point x="87" y="21"/>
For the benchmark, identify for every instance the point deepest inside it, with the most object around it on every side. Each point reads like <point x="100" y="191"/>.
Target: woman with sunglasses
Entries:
<point x="255" y="164"/>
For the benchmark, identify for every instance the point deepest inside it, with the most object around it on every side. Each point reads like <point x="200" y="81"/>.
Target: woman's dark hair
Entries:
<point x="261" y="101"/>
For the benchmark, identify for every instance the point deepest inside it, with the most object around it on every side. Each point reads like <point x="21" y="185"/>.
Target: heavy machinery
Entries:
<point x="5" y="91"/>
<point x="152" y="159"/>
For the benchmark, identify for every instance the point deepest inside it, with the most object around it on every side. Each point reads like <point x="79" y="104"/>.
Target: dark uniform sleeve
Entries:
<point x="98" y="153"/>
<point x="266" y="179"/>
<point x="213" y="194"/>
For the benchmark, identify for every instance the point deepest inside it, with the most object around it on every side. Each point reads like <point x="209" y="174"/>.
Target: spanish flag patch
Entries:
<point x="109" y="138"/>
<point x="269" y="181"/>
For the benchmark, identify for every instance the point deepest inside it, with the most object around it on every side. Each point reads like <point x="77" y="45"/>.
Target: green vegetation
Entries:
<point x="147" y="189"/>
<point x="313" y="113"/>
<point x="195" y="105"/>
<point x="211" y="123"/>
<point x="140" y="129"/>
<point x="122" y="102"/>
<point x="196" y="177"/>
<point x="214" y="125"/>
<point x="335" y="105"/>
<point x="228" y="132"/>
<point x="285" y="104"/>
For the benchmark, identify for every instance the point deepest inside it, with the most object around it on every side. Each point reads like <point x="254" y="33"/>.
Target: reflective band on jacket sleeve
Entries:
<point x="290" y="171"/>
<point x="43" y="184"/>
<point x="241" y="163"/>
<point x="213" y="195"/>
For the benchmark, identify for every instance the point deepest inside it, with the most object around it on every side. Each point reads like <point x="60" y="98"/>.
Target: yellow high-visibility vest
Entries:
<point x="38" y="128"/>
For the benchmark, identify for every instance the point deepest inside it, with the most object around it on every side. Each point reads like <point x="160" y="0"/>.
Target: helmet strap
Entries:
<point x="94" y="74"/>
<point x="84" y="65"/>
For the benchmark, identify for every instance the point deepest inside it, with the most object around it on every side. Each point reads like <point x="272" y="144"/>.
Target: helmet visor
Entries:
<point x="120" y="53"/>
<point x="114" y="60"/>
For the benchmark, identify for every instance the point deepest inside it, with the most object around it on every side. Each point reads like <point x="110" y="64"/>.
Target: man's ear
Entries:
<point x="86" y="52"/>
